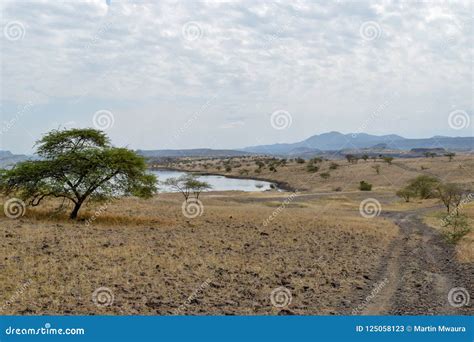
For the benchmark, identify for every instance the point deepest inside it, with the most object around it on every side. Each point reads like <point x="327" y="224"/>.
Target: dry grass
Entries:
<point x="153" y="266"/>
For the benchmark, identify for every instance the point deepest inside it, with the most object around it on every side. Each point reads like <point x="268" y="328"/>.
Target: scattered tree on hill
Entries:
<point x="333" y="166"/>
<point x="376" y="168"/>
<point x="424" y="186"/>
<point x="406" y="193"/>
<point x="78" y="165"/>
<point x="312" y="168"/>
<point x="450" y="155"/>
<point x="300" y="160"/>
<point x="388" y="160"/>
<point x="450" y="195"/>
<point x="325" y="175"/>
<point x="365" y="186"/>
<point x="365" y="157"/>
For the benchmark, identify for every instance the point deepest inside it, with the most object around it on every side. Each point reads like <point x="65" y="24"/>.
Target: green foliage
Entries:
<point x="455" y="228"/>
<point x="423" y="186"/>
<point x="187" y="185"/>
<point x="365" y="186"/>
<point x="406" y="193"/>
<point x="312" y="168"/>
<point x="325" y="175"/>
<point x="450" y="155"/>
<point x="388" y="160"/>
<point x="78" y="164"/>
<point x="300" y="160"/>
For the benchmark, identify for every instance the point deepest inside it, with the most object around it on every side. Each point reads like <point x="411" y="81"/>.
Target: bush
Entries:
<point x="333" y="166"/>
<point x="406" y="193"/>
<point x="423" y="186"/>
<point x="273" y="168"/>
<point x="312" y="168"/>
<point x="455" y="228"/>
<point x="325" y="175"/>
<point x="365" y="186"/>
<point x="338" y="189"/>
<point x="228" y="168"/>
<point x="300" y="160"/>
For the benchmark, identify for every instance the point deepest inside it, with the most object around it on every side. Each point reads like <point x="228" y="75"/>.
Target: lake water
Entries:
<point x="218" y="183"/>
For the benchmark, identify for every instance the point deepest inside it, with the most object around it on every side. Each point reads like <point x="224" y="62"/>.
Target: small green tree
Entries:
<point x="450" y="155"/>
<point x="423" y="186"/>
<point x="187" y="185"/>
<point x="450" y="195"/>
<point x="406" y="193"/>
<point x="388" y="160"/>
<point x="325" y="175"/>
<point x="77" y="165"/>
<point x="365" y="186"/>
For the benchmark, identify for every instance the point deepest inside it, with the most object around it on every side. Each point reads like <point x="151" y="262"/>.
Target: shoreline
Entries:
<point x="283" y="186"/>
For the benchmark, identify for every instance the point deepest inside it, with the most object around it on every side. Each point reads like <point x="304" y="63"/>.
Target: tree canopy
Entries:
<point x="78" y="164"/>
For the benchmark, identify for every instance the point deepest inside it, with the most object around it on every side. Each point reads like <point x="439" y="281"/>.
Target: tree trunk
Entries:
<point x="74" y="212"/>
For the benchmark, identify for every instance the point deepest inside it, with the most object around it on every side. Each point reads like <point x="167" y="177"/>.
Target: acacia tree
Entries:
<point x="187" y="184"/>
<point x="78" y="164"/>
<point x="451" y="195"/>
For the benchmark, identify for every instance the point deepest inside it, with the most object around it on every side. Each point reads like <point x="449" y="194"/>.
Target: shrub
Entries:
<point x="312" y="168"/>
<point x="365" y="186"/>
<point x="424" y="186"/>
<point x="300" y="160"/>
<point x="455" y="228"/>
<point x="228" y="168"/>
<point x="333" y="166"/>
<point x="325" y="175"/>
<point x="406" y="193"/>
<point x="273" y="168"/>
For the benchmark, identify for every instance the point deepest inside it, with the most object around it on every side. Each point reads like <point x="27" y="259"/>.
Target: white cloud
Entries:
<point x="304" y="57"/>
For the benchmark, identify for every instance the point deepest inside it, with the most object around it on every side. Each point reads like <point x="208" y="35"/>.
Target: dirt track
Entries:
<point x="420" y="270"/>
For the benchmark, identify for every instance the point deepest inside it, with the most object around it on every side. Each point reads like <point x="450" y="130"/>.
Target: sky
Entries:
<point x="189" y="74"/>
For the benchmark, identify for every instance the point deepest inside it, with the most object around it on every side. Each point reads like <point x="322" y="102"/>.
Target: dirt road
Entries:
<point x="419" y="272"/>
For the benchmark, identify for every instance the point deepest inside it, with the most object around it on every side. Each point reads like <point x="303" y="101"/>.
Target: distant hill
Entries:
<point x="335" y="141"/>
<point x="8" y="159"/>
<point x="200" y="152"/>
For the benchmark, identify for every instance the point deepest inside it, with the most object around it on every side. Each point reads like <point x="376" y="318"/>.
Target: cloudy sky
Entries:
<point x="187" y="74"/>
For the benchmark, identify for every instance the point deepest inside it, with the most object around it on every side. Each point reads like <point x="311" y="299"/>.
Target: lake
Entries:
<point x="218" y="183"/>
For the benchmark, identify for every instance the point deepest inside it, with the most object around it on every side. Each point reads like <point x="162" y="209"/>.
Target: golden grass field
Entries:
<point x="155" y="261"/>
